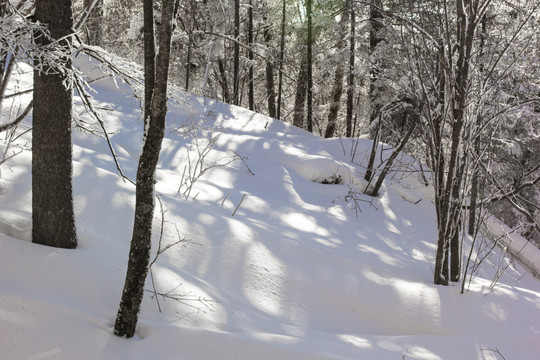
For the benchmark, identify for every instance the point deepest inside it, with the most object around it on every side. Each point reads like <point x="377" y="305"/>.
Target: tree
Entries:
<point x="53" y="220"/>
<point x="128" y="312"/>
<point x="309" y="15"/>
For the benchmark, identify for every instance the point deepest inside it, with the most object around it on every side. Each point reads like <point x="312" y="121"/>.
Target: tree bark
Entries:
<point x="251" y="90"/>
<point x="270" y="93"/>
<point x="350" y="88"/>
<point x="309" y="66"/>
<point x="300" y="98"/>
<point x="337" y="88"/>
<point x="236" y="60"/>
<point x="281" y="56"/>
<point x="130" y="304"/>
<point x="53" y="220"/>
<point x="375" y="25"/>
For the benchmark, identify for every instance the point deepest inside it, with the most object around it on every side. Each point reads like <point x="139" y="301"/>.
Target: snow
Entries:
<point x="297" y="273"/>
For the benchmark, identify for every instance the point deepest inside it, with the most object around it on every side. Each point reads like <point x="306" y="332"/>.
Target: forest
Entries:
<point x="446" y="92"/>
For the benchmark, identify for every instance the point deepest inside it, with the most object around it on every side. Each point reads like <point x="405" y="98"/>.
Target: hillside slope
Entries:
<point x="275" y="264"/>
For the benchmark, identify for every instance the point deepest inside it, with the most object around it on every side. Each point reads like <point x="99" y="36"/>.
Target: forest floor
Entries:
<point x="274" y="264"/>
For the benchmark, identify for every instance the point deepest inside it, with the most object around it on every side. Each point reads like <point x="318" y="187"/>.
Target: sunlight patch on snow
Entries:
<point x="263" y="279"/>
<point x="357" y="341"/>
<point x="383" y="257"/>
<point x="304" y="223"/>
<point x="385" y="202"/>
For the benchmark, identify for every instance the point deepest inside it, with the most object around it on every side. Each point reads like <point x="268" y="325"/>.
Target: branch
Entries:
<point x="15" y="122"/>
<point x="93" y="112"/>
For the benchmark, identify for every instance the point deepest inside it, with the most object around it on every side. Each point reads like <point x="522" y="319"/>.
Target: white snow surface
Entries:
<point x="303" y="270"/>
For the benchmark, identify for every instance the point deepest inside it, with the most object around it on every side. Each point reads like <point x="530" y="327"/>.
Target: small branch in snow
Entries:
<point x="237" y="206"/>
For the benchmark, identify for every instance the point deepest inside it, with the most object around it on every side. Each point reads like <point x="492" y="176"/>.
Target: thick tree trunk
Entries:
<point x="53" y="220"/>
<point x="128" y="312"/>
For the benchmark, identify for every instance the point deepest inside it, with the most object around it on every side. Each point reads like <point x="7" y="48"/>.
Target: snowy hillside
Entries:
<point x="276" y="264"/>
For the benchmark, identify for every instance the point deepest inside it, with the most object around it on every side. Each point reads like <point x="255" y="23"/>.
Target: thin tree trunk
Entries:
<point x="224" y="85"/>
<point x="375" y="22"/>
<point x="390" y="161"/>
<point x="300" y="98"/>
<point x="236" y="60"/>
<point x="53" y="220"/>
<point x="309" y="66"/>
<point x="350" y="88"/>
<point x="128" y="312"/>
<point x="251" y="90"/>
<point x="190" y="43"/>
<point x="281" y="56"/>
<point x="270" y="93"/>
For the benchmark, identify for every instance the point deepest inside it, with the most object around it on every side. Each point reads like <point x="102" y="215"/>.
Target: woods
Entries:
<point x="454" y="84"/>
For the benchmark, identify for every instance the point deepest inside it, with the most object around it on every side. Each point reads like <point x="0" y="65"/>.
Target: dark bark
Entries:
<point x="281" y="56"/>
<point x="300" y="98"/>
<point x="337" y="88"/>
<point x="270" y="93"/>
<point x="128" y="312"/>
<point x="94" y="30"/>
<point x="190" y="43"/>
<point x="309" y="119"/>
<point x="350" y="88"/>
<point x="226" y="96"/>
<point x="53" y="220"/>
<point x="251" y="90"/>
<point x="236" y="60"/>
<point x="375" y="25"/>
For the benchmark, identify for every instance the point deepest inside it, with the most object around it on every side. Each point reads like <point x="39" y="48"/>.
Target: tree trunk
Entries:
<point x="281" y="56"/>
<point x="300" y="98"/>
<point x="236" y="60"/>
<point x="337" y="88"/>
<point x="350" y="88"/>
<point x="53" y="220"/>
<point x="375" y="25"/>
<point x="251" y="90"/>
<point x="224" y="84"/>
<point x="309" y="66"/>
<point x="190" y="43"/>
<point x="128" y="312"/>
<point x="270" y="94"/>
<point x="94" y="30"/>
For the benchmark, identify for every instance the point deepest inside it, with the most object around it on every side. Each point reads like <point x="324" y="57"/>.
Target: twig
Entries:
<point x="243" y="158"/>
<point x="85" y="97"/>
<point x="237" y="206"/>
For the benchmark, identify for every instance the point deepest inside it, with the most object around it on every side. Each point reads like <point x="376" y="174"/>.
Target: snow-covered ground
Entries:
<point x="303" y="270"/>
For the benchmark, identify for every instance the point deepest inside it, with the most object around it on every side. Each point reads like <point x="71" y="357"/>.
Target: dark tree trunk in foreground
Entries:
<point x="128" y="312"/>
<point x="309" y="66"/>
<point x="53" y="220"/>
